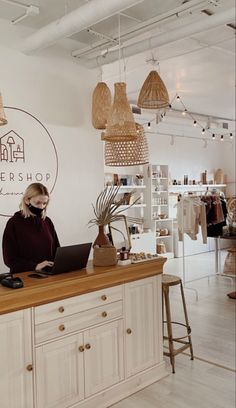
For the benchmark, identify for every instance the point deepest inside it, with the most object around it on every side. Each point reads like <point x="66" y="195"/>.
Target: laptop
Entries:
<point x="69" y="258"/>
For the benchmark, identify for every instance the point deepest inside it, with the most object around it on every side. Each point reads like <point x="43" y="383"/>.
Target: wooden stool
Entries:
<point x="167" y="281"/>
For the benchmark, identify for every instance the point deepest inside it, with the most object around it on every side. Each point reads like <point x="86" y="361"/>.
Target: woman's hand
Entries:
<point x="43" y="265"/>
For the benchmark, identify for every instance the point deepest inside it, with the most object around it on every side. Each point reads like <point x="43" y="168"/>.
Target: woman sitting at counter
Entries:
<point x="30" y="240"/>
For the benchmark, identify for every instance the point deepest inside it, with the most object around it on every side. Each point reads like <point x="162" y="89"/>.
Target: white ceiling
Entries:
<point x="201" y="67"/>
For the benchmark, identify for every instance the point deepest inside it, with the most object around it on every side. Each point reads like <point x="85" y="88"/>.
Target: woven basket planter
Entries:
<point x="153" y="94"/>
<point x="120" y="124"/>
<point x="101" y="105"/>
<point x="104" y="256"/>
<point x="128" y="153"/>
<point x="3" y="120"/>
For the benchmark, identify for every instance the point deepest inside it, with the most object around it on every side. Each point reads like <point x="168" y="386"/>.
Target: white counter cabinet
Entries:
<point x="16" y="378"/>
<point x="83" y="351"/>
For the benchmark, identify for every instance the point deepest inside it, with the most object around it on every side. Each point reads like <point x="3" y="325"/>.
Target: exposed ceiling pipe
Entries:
<point x="206" y="23"/>
<point x="80" y="19"/>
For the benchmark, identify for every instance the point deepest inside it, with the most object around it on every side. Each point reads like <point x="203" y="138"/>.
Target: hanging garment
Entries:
<point x="190" y="214"/>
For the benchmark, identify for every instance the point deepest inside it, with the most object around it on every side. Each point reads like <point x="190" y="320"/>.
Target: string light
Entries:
<point x="161" y="116"/>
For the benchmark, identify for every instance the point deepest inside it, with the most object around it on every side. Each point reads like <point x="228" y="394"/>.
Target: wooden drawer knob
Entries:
<point x="61" y="327"/>
<point x="128" y="331"/>
<point x="29" y="367"/>
<point x="104" y="314"/>
<point x="88" y="346"/>
<point x="61" y="309"/>
<point x="103" y="297"/>
<point x="81" y="349"/>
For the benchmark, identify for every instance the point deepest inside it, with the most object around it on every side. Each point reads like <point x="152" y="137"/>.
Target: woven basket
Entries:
<point x="101" y="105"/>
<point x="3" y="120"/>
<point x="230" y="262"/>
<point x="153" y="94"/>
<point x="104" y="256"/>
<point x="120" y="124"/>
<point x="132" y="153"/>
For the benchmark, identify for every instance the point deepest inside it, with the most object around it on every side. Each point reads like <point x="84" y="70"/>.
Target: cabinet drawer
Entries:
<point x="76" y="304"/>
<point x="59" y="327"/>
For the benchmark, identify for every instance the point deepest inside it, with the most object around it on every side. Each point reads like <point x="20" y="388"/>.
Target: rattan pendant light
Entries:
<point x="3" y="120"/>
<point x="130" y="153"/>
<point x="120" y="123"/>
<point x="153" y="94"/>
<point x="101" y="105"/>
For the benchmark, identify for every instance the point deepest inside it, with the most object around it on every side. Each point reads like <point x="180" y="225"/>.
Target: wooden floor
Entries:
<point x="209" y="380"/>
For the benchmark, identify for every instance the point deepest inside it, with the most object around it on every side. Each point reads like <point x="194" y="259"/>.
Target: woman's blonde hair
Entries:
<point x="33" y="190"/>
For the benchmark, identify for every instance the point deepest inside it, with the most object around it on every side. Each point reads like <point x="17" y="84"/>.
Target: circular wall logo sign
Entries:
<point x="27" y="155"/>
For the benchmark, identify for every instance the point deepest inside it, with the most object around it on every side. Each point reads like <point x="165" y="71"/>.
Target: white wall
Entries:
<point x="58" y="92"/>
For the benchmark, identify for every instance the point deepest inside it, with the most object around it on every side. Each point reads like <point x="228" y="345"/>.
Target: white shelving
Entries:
<point x="157" y="199"/>
<point x="193" y="187"/>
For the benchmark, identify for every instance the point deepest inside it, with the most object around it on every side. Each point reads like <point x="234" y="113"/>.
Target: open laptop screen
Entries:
<point x="69" y="258"/>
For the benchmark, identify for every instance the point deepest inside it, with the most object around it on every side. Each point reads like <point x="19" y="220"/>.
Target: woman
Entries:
<point x="30" y="240"/>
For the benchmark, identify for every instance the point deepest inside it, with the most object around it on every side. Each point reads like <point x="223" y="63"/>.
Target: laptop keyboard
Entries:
<point x="47" y="269"/>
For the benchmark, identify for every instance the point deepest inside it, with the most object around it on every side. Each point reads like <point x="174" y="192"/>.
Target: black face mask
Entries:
<point x="35" y="210"/>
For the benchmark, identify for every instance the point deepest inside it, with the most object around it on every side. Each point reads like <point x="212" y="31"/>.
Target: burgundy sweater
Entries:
<point x="28" y="241"/>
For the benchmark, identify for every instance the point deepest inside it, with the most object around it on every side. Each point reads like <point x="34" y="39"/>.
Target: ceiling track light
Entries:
<point x="213" y="136"/>
<point x="231" y="135"/>
<point x="203" y="131"/>
<point x="195" y="123"/>
<point x="222" y="138"/>
<point x="149" y="125"/>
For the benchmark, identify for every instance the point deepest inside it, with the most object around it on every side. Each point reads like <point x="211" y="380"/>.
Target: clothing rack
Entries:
<point x="182" y="197"/>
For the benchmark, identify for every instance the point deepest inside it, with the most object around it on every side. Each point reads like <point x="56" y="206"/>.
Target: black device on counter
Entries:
<point x="68" y="258"/>
<point x="9" y="281"/>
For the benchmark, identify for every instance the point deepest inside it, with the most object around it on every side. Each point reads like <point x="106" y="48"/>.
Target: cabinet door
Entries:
<point x="103" y="357"/>
<point x="143" y="324"/>
<point x="16" y="387"/>
<point x="59" y="370"/>
<point x="145" y="242"/>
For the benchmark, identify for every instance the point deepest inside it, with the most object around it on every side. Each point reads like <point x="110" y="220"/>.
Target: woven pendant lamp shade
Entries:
<point x="3" y="120"/>
<point x="120" y="124"/>
<point x="101" y="105"/>
<point x="130" y="153"/>
<point x="153" y="94"/>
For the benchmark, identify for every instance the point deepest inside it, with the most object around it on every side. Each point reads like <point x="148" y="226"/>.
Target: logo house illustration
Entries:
<point x="12" y="147"/>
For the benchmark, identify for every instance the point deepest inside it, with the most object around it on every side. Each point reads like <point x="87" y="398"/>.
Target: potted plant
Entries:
<point x="107" y="209"/>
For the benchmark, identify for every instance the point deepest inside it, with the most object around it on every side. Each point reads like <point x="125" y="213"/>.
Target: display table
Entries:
<point x="82" y="339"/>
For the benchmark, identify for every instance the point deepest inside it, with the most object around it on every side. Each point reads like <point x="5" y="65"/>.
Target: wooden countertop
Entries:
<point x="40" y="291"/>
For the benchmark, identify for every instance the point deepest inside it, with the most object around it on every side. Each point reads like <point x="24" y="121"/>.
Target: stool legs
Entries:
<point x="187" y="343"/>
<point x="169" y="329"/>
<point x="187" y="321"/>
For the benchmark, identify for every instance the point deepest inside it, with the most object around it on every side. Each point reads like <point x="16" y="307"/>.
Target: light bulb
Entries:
<point x="213" y="136"/>
<point x="184" y="112"/>
<point x="149" y="125"/>
<point x="170" y="107"/>
<point x="231" y="135"/>
<point x="203" y="131"/>
<point x="178" y="97"/>
<point x="195" y="123"/>
<point x="222" y="138"/>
